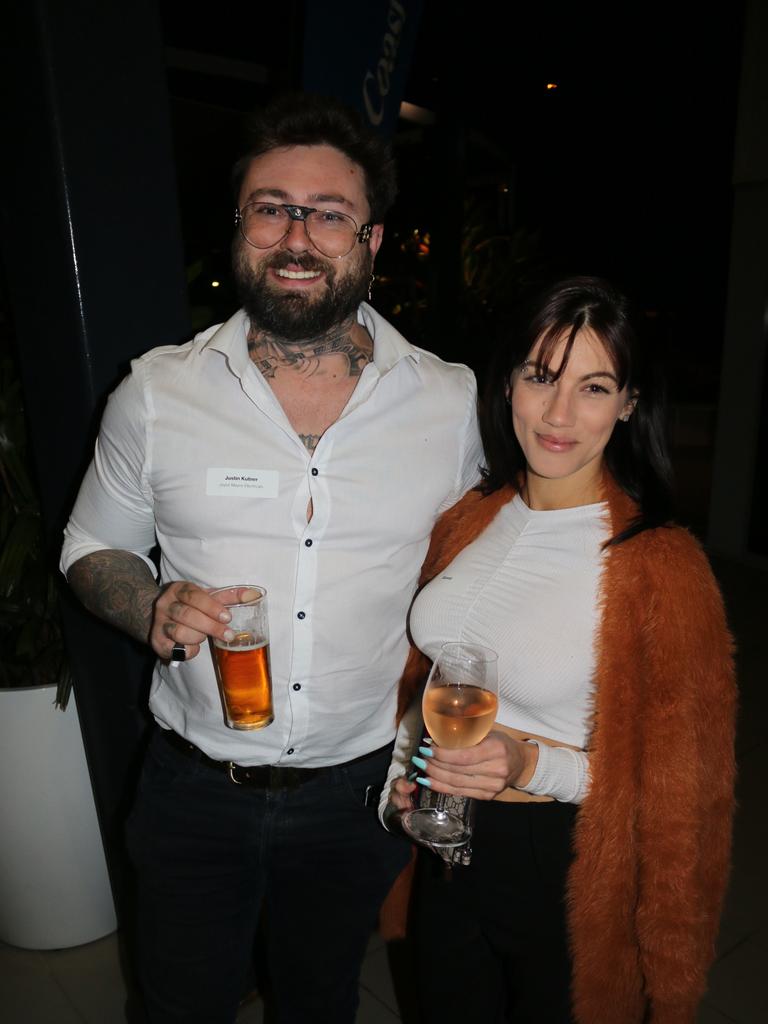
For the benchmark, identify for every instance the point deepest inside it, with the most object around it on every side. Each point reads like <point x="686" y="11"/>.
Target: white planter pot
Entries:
<point x="54" y="888"/>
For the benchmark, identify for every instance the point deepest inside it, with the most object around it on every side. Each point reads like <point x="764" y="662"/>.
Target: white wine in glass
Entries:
<point x="459" y="707"/>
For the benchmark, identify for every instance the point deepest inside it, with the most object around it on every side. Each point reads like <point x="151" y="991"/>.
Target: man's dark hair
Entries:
<point x="301" y="119"/>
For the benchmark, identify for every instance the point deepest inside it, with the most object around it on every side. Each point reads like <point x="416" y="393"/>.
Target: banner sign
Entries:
<point x="360" y="51"/>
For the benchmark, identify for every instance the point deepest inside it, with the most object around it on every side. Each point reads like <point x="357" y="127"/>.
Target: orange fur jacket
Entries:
<point x="652" y="838"/>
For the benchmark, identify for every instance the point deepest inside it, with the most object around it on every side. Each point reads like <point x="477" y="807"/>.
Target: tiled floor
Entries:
<point x="85" y="985"/>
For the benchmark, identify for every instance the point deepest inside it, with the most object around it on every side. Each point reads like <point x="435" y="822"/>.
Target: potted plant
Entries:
<point x="54" y="888"/>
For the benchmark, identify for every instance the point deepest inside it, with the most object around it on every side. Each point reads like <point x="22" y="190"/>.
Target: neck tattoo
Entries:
<point x="270" y="353"/>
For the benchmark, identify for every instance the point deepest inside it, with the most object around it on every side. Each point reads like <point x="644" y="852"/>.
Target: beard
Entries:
<point x="298" y="316"/>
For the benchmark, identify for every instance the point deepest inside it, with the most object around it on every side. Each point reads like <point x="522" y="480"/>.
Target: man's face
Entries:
<point x="291" y="289"/>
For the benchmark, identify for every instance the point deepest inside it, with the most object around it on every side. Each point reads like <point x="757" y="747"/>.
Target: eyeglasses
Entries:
<point x="333" y="234"/>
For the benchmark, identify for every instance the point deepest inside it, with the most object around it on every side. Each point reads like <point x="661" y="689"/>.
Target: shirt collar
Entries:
<point x="389" y="346"/>
<point x="231" y="339"/>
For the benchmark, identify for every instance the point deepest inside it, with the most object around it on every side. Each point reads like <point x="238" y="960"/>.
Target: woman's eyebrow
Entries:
<point x="601" y="373"/>
<point x="587" y="376"/>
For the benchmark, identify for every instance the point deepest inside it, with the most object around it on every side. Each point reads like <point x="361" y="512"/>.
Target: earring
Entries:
<point x="625" y="417"/>
<point x="370" y="285"/>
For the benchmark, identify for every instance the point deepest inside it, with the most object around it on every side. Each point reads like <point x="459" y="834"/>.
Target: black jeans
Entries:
<point x="491" y="937"/>
<point x="208" y="853"/>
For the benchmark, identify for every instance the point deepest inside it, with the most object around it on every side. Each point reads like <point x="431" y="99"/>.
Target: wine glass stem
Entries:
<point x="440" y="805"/>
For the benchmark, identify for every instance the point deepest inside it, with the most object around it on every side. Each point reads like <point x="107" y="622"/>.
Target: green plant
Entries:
<point x="31" y="644"/>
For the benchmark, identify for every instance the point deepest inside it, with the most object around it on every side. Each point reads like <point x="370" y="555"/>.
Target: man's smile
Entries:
<point x="298" y="275"/>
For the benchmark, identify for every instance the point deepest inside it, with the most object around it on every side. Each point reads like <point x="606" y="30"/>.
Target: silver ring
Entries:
<point x="179" y="653"/>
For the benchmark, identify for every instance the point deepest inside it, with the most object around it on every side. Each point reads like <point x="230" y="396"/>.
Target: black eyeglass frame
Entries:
<point x="295" y="212"/>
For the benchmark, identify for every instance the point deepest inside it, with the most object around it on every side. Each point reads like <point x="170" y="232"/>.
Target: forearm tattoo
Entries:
<point x="118" y="587"/>
<point x="270" y="353"/>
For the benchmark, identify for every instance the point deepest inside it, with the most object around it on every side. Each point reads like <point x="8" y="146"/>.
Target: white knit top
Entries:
<point x="527" y="587"/>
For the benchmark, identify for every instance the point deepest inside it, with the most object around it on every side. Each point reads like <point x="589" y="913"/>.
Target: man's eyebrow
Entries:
<point x="260" y="193"/>
<point x="330" y="197"/>
<point x="280" y="193"/>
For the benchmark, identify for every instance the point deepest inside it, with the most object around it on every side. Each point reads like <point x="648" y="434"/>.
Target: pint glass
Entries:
<point x="242" y="665"/>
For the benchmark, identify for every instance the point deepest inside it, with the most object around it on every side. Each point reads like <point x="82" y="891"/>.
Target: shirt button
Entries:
<point x="289" y="750"/>
<point x="308" y="543"/>
<point x="301" y="615"/>
<point x="297" y="686"/>
<point x="315" y="471"/>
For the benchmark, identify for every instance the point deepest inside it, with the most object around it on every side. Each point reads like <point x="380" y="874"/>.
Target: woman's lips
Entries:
<point x="556" y="444"/>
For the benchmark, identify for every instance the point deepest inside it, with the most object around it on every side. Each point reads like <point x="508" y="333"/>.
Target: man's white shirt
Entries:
<point x="196" y="454"/>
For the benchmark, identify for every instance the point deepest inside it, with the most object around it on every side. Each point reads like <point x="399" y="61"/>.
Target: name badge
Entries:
<point x="242" y="483"/>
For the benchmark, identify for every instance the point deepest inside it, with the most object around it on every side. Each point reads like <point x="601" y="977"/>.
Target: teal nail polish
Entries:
<point x="411" y="778"/>
<point x="427" y="751"/>
<point x="424" y="782"/>
<point x="420" y="763"/>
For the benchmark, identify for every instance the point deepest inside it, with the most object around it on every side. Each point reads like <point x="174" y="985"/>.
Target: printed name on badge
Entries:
<point x="242" y="483"/>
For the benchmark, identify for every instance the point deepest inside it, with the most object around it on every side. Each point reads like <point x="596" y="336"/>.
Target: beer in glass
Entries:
<point x="242" y="664"/>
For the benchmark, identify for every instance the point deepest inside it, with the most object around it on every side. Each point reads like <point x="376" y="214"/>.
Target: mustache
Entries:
<point x="305" y="261"/>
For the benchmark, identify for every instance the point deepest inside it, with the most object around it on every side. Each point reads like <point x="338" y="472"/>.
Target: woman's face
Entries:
<point x="563" y="425"/>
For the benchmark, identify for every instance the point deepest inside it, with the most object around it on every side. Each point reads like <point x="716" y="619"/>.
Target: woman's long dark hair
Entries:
<point x="636" y="455"/>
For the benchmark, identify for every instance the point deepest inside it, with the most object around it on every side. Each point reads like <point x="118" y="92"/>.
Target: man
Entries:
<point x="354" y="442"/>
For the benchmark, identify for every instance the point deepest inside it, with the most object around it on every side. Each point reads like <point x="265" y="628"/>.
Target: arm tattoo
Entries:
<point x="118" y="587"/>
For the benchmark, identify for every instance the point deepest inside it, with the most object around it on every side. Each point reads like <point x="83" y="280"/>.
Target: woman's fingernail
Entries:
<point x="426" y="739"/>
<point x="225" y="617"/>
<point x="411" y="778"/>
<point x="420" y="763"/>
<point x="427" y="751"/>
<point x="423" y="782"/>
<point x="229" y="635"/>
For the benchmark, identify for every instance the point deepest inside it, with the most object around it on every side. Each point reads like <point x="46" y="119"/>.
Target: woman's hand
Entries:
<point x="401" y="794"/>
<point x="482" y="771"/>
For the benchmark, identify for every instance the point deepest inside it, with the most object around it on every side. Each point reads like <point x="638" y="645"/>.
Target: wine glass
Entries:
<point x="459" y="707"/>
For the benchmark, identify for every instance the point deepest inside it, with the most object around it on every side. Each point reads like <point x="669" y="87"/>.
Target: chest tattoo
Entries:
<point x="309" y="441"/>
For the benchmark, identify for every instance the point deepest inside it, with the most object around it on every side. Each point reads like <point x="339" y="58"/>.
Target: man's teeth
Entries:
<point x="297" y="275"/>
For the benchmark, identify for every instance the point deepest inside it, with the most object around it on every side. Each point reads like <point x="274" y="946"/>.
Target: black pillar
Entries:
<point x="93" y="257"/>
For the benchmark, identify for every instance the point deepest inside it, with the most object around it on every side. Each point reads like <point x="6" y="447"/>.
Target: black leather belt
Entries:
<point x="262" y="776"/>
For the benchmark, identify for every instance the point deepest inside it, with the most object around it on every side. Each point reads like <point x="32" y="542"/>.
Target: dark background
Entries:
<point x="622" y="170"/>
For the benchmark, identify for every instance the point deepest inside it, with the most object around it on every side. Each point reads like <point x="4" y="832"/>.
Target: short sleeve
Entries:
<point x="113" y="508"/>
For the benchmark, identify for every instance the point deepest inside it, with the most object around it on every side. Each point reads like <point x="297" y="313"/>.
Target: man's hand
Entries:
<point x="484" y="770"/>
<point x="118" y="587"/>
<point x="186" y="614"/>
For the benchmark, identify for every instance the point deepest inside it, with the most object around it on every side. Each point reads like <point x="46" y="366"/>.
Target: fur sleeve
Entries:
<point x="686" y="774"/>
<point x="652" y="840"/>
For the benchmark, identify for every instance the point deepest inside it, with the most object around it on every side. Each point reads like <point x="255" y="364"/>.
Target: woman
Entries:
<point x="605" y="790"/>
